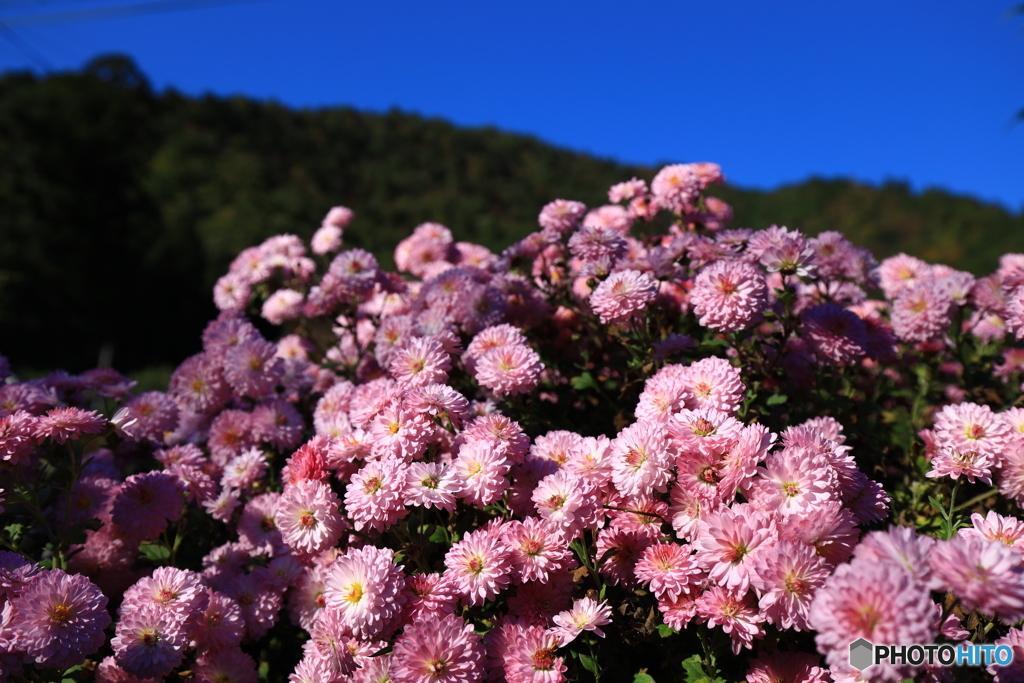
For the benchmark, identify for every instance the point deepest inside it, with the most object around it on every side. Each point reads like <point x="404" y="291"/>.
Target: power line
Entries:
<point x="24" y="48"/>
<point x="117" y="11"/>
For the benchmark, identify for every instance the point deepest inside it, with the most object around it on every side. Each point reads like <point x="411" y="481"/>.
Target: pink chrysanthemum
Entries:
<point x="398" y="432"/>
<point x="228" y="665"/>
<point x="149" y="642"/>
<point x="837" y="335"/>
<point x="278" y="423"/>
<point x="536" y="549"/>
<point x="623" y="295"/>
<point x="146" y="502"/>
<point x="61" y="424"/>
<point x="421" y="361"/>
<point x="432" y="484"/>
<point x="482" y="473"/>
<point x="954" y="463"/>
<point x="252" y="369"/>
<point x="17" y="436"/>
<point x="878" y="601"/>
<point x="628" y="545"/>
<point x="561" y="215"/>
<point x="729" y="295"/>
<point x="787" y="667"/>
<point x="531" y="658"/>
<point x="438" y="651"/>
<point x="567" y="501"/>
<point x="676" y="187"/>
<point x="308" y="517"/>
<point x="995" y="527"/>
<point x="176" y="590"/>
<point x="330" y="640"/>
<point x="972" y="427"/>
<point x="664" y="394"/>
<point x="512" y="369"/>
<point x="729" y="540"/>
<point x="440" y="401"/>
<point x="640" y="459"/>
<point x="735" y="612"/>
<point x="147" y="417"/>
<point x="284" y="304"/>
<point x="374" y="497"/>
<point x="985" y="575"/>
<point x="479" y="566"/>
<point x="900" y="273"/>
<point x="429" y="595"/>
<point x="901" y="545"/>
<point x="669" y="569"/>
<point x="786" y="576"/>
<point x="713" y="383"/>
<point x="244" y="469"/>
<point x="220" y="625"/>
<point x="365" y="588"/>
<point x="921" y="313"/>
<point x="794" y="480"/>
<point x="586" y="614"/>
<point x="58" y="619"/>
<point x="597" y="244"/>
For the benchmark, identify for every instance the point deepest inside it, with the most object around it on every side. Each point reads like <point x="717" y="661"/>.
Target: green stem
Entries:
<point x="977" y="499"/>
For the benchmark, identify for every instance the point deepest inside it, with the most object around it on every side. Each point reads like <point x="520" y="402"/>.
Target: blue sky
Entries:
<point x="914" y="90"/>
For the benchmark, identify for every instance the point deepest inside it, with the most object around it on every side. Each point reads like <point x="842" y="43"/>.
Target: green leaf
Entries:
<point x="643" y="678"/>
<point x="440" y="536"/>
<point x="695" y="672"/>
<point x="155" y="552"/>
<point x="590" y="664"/>
<point x="584" y="381"/>
<point x="14" y="532"/>
<point x="776" y="399"/>
<point x="664" y="630"/>
<point x="715" y="343"/>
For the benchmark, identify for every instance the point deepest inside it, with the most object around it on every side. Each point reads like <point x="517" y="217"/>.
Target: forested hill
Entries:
<point x="120" y="206"/>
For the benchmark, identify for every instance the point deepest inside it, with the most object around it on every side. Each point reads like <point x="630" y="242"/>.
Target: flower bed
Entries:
<point x="635" y="445"/>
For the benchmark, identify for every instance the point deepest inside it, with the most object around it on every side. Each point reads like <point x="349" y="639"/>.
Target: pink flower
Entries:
<point x="640" y="459"/>
<point x="58" y="619"/>
<point x="994" y="527"/>
<point x="787" y="667"/>
<point x="512" y="369"/>
<point x="669" y="569"/>
<point x="244" y="469"/>
<point x="623" y="295"/>
<point x="561" y="215"/>
<point x="531" y="658"/>
<point x="794" y="480"/>
<point x="149" y="642"/>
<point x="729" y="540"/>
<point x="537" y="549"/>
<point x="365" y="589"/>
<point x="676" y="187"/>
<point x="147" y="417"/>
<point x="567" y="501"/>
<point x="878" y="601"/>
<point x="950" y="462"/>
<point x="420" y="361"/>
<point x="432" y="484"/>
<point x="146" y="502"/>
<point x="479" y="566"/>
<point x="921" y="313"/>
<point x="837" y="335"/>
<point x="308" y="516"/>
<point x="221" y="624"/>
<point x="729" y="295"/>
<point x="176" y="590"/>
<point x="284" y="304"/>
<point x="252" y="369"/>
<point x="17" y="437"/>
<point x="972" y="427"/>
<point x="713" y="383"/>
<point x="786" y="576"/>
<point x="228" y="665"/>
<point x="375" y="494"/>
<point x="438" y="651"/>
<point x="482" y="472"/>
<point x="984" y="575"/>
<point x="735" y="612"/>
<point x="61" y="424"/>
<point x="586" y="614"/>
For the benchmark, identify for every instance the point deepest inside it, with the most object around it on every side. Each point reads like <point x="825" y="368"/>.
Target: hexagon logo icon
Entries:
<point x="861" y="651"/>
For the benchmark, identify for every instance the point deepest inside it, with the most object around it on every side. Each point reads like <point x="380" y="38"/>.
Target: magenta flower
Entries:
<point x="438" y="651"/>
<point x="58" y="619"/>
<point x="308" y="516"/>
<point x="146" y="502"/>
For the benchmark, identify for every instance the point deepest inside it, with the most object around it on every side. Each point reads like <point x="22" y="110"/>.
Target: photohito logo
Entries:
<point x="864" y="654"/>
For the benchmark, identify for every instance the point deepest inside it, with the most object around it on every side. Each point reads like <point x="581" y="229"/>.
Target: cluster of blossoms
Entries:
<point x="477" y="467"/>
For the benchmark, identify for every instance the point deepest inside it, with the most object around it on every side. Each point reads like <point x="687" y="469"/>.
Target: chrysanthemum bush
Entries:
<point x="636" y="445"/>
